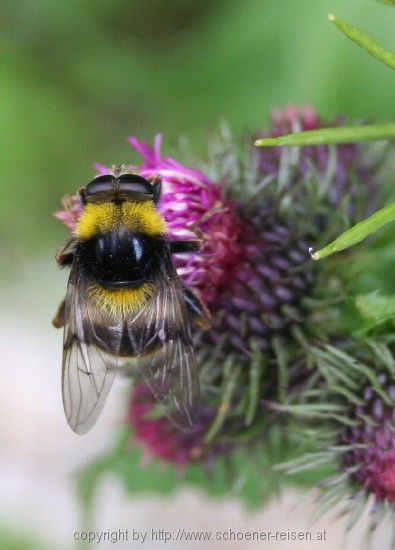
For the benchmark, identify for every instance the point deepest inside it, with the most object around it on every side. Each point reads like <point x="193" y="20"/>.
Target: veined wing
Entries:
<point x="161" y="337"/>
<point x="88" y="371"/>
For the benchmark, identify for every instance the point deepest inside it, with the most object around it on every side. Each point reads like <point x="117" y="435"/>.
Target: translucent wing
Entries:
<point x="161" y="338"/>
<point x="88" y="371"/>
<point x="156" y="340"/>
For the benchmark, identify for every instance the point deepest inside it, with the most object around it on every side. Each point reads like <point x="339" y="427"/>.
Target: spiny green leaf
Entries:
<point x="342" y="377"/>
<point x="304" y="461"/>
<point x="357" y="233"/>
<point x="314" y="393"/>
<point x="334" y="365"/>
<point x="334" y="480"/>
<point x="328" y="374"/>
<point x="349" y="395"/>
<point x="318" y="434"/>
<point x="346" y="448"/>
<point x="369" y="373"/>
<point x="343" y="357"/>
<point x="326" y="136"/>
<point x="344" y="420"/>
<point x="311" y="410"/>
<point x="311" y="465"/>
<point x="364" y="41"/>
<point x="384" y="355"/>
<point x="329" y="357"/>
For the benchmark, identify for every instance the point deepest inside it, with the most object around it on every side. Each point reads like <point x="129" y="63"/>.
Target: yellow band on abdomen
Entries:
<point x="123" y="300"/>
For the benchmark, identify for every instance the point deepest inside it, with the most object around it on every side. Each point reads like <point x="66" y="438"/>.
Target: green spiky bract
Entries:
<point x="325" y="409"/>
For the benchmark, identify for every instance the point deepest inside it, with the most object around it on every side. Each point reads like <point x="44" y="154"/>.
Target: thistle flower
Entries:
<point x="372" y="440"/>
<point x="257" y="212"/>
<point x="161" y="439"/>
<point x="253" y="272"/>
<point x="354" y="403"/>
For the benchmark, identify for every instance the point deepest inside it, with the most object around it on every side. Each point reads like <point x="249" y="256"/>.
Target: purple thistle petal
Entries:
<point x="161" y="439"/>
<point x="376" y="471"/>
<point x="194" y="206"/>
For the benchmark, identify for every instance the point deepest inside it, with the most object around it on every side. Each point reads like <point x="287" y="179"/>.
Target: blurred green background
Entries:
<point x="79" y="76"/>
<point x="76" y="78"/>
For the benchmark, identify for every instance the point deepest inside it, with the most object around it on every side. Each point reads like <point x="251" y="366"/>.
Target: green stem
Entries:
<point x="327" y="136"/>
<point x="364" y="41"/>
<point x="358" y="233"/>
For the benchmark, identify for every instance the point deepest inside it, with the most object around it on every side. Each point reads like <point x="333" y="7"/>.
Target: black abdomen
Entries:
<point x="120" y="259"/>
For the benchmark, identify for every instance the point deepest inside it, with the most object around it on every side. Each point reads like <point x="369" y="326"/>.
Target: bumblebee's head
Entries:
<point x="121" y="188"/>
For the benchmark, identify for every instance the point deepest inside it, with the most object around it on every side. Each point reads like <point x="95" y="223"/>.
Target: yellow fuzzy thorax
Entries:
<point x="121" y="301"/>
<point x="104" y="217"/>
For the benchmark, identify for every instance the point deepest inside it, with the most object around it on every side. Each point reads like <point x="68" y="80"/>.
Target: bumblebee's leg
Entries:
<point x="65" y="254"/>
<point x="197" y="310"/>
<point x="179" y="247"/>
<point x="59" y="319"/>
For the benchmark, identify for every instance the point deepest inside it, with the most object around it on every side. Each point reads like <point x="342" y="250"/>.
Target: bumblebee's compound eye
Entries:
<point x="135" y="184"/>
<point x="102" y="185"/>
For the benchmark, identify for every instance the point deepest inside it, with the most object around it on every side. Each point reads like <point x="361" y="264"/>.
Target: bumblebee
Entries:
<point x="125" y="307"/>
